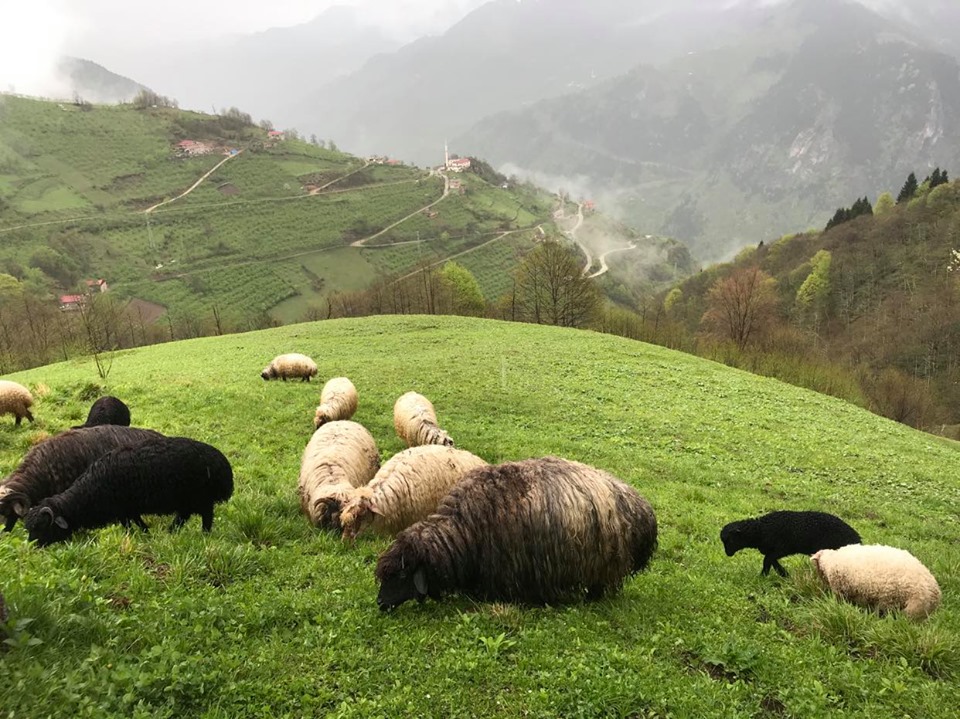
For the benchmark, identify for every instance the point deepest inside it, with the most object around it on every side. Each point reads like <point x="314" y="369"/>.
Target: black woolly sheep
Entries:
<point x="169" y="475"/>
<point x="54" y="464"/>
<point x="107" y="410"/>
<point x="780" y="534"/>
<point x="15" y="399"/>
<point x="293" y="365"/>
<point x="539" y="531"/>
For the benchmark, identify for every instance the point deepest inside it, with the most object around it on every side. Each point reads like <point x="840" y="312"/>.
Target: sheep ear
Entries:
<point x="61" y="522"/>
<point x="420" y="581"/>
<point x="19" y="508"/>
<point x="374" y="509"/>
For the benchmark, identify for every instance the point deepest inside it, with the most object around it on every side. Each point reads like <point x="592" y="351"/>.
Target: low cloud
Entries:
<point x="32" y="37"/>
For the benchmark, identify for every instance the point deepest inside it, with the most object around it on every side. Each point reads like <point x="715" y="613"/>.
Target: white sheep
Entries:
<point x="879" y="577"/>
<point x="15" y="399"/>
<point x="292" y="365"/>
<point x="416" y="421"/>
<point x="340" y="456"/>
<point x="407" y="488"/>
<point x="338" y="401"/>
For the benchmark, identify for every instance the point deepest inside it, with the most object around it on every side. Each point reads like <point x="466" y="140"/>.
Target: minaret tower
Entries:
<point x="446" y="156"/>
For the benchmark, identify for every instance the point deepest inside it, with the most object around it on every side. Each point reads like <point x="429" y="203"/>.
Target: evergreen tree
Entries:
<point x="908" y="190"/>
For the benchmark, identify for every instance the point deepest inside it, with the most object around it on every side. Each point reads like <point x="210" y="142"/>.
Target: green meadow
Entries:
<point x="266" y="616"/>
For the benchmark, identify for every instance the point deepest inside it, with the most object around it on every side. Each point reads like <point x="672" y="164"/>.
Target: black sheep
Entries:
<point x="169" y="475"/>
<point x="780" y="534"/>
<point x="541" y="531"/>
<point x="107" y="410"/>
<point x="54" y="464"/>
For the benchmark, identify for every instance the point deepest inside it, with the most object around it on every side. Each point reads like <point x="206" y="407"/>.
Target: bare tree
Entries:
<point x="741" y="306"/>
<point x="551" y="288"/>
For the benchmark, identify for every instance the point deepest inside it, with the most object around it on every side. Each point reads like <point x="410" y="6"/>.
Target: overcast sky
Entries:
<point x="33" y="33"/>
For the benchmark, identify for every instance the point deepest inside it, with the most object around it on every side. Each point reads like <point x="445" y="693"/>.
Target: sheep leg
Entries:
<point x="18" y="420"/>
<point x="179" y="521"/>
<point x="11" y="521"/>
<point x="138" y="520"/>
<point x="28" y="415"/>
<point x="775" y="563"/>
<point x="206" y="516"/>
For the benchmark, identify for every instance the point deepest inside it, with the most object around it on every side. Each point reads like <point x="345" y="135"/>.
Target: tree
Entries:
<point x="551" y="288"/>
<point x="461" y="288"/>
<point x="741" y="306"/>
<point x="815" y="290"/>
<point x="908" y="190"/>
<point x="885" y="203"/>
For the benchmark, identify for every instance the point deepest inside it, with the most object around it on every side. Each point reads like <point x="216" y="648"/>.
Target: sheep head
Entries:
<point x="268" y="372"/>
<point x="13" y="505"/>
<point x="356" y="514"/>
<point x="44" y="527"/>
<point x="403" y="576"/>
<point x="736" y="536"/>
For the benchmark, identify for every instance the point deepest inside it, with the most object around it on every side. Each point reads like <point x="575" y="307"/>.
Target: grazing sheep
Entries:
<point x="15" y="399"/>
<point x="54" y="464"/>
<point x="780" y="534"/>
<point x="167" y="475"/>
<point x="107" y="410"/>
<point x="539" y="531"/>
<point x="338" y="400"/>
<point x="416" y="421"/>
<point x="406" y="489"/>
<point x="290" y="365"/>
<point x="340" y="456"/>
<point x="879" y="577"/>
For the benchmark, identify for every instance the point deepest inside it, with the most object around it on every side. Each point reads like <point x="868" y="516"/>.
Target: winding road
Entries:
<point x="604" y="268"/>
<point x="446" y="191"/>
<point x="195" y="185"/>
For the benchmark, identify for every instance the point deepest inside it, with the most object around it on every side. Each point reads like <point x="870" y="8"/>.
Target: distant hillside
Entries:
<point x="726" y="147"/>
<point x="95" y="83"/>
<point x="272" y="225"/>
<point x="874" y="298"/>
<point x="503" y="55"/>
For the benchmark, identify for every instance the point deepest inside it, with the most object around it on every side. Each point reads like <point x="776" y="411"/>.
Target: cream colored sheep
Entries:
<point x="338" y="400"/>
<point x="416" y="421"/>
<point x="879" y="577"/>
<point x="291" y="365"/>
<point x="15" y="399"/>
<point x="407" y="488"/>
<point x="339" y="457"/>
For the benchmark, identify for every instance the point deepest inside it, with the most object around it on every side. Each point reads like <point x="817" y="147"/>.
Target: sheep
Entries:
<point x="416" y="421"/>
<point x="54" y="464"/>
<point x="15" y="399"/>
<point x="340" y="456"/>
<point x="879" y="577"/>
<point x="539" y="531"/>
<point x="406" y="489"/>
<point x="167" y="475"/>
<point x="781" y="534"/>
<point x="107" y="410"/>
<point x="338" y="400"/>
<point x="290" y="365"/>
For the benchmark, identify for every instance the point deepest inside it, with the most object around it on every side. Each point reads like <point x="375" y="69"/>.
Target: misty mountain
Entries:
<point x="267" y="73"/>
<point x="823" y="100"/>
<point x="938" y="20"/>
<point x="504" y="55"/>
<point x="93" y="82"/>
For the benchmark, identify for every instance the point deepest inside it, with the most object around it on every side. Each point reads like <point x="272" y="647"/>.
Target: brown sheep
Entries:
<point x="290" y="365"/>
<point x="539" y="531"/>
<point x="15" y="399"/>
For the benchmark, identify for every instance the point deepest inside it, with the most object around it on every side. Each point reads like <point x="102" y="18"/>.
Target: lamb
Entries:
<point x="290" y="365"/>
<point x="338" y="401"/>
<point x="540" y="531"/>
<point x="107" y="410"/>
<point x="879" y="577"/>
<point x="15" y="399"/>
<point x="416" y="421"/>
<point x="167" y="475"/>
<point x="406" y="489"/>
<point x="781" y="534"/>
<point x="339" y="457"/>
<point x="53" y="465"/>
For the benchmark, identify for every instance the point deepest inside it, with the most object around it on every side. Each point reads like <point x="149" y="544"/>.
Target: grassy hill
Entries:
<point x="268" y="617"/>
<point x="269" y="230"/>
